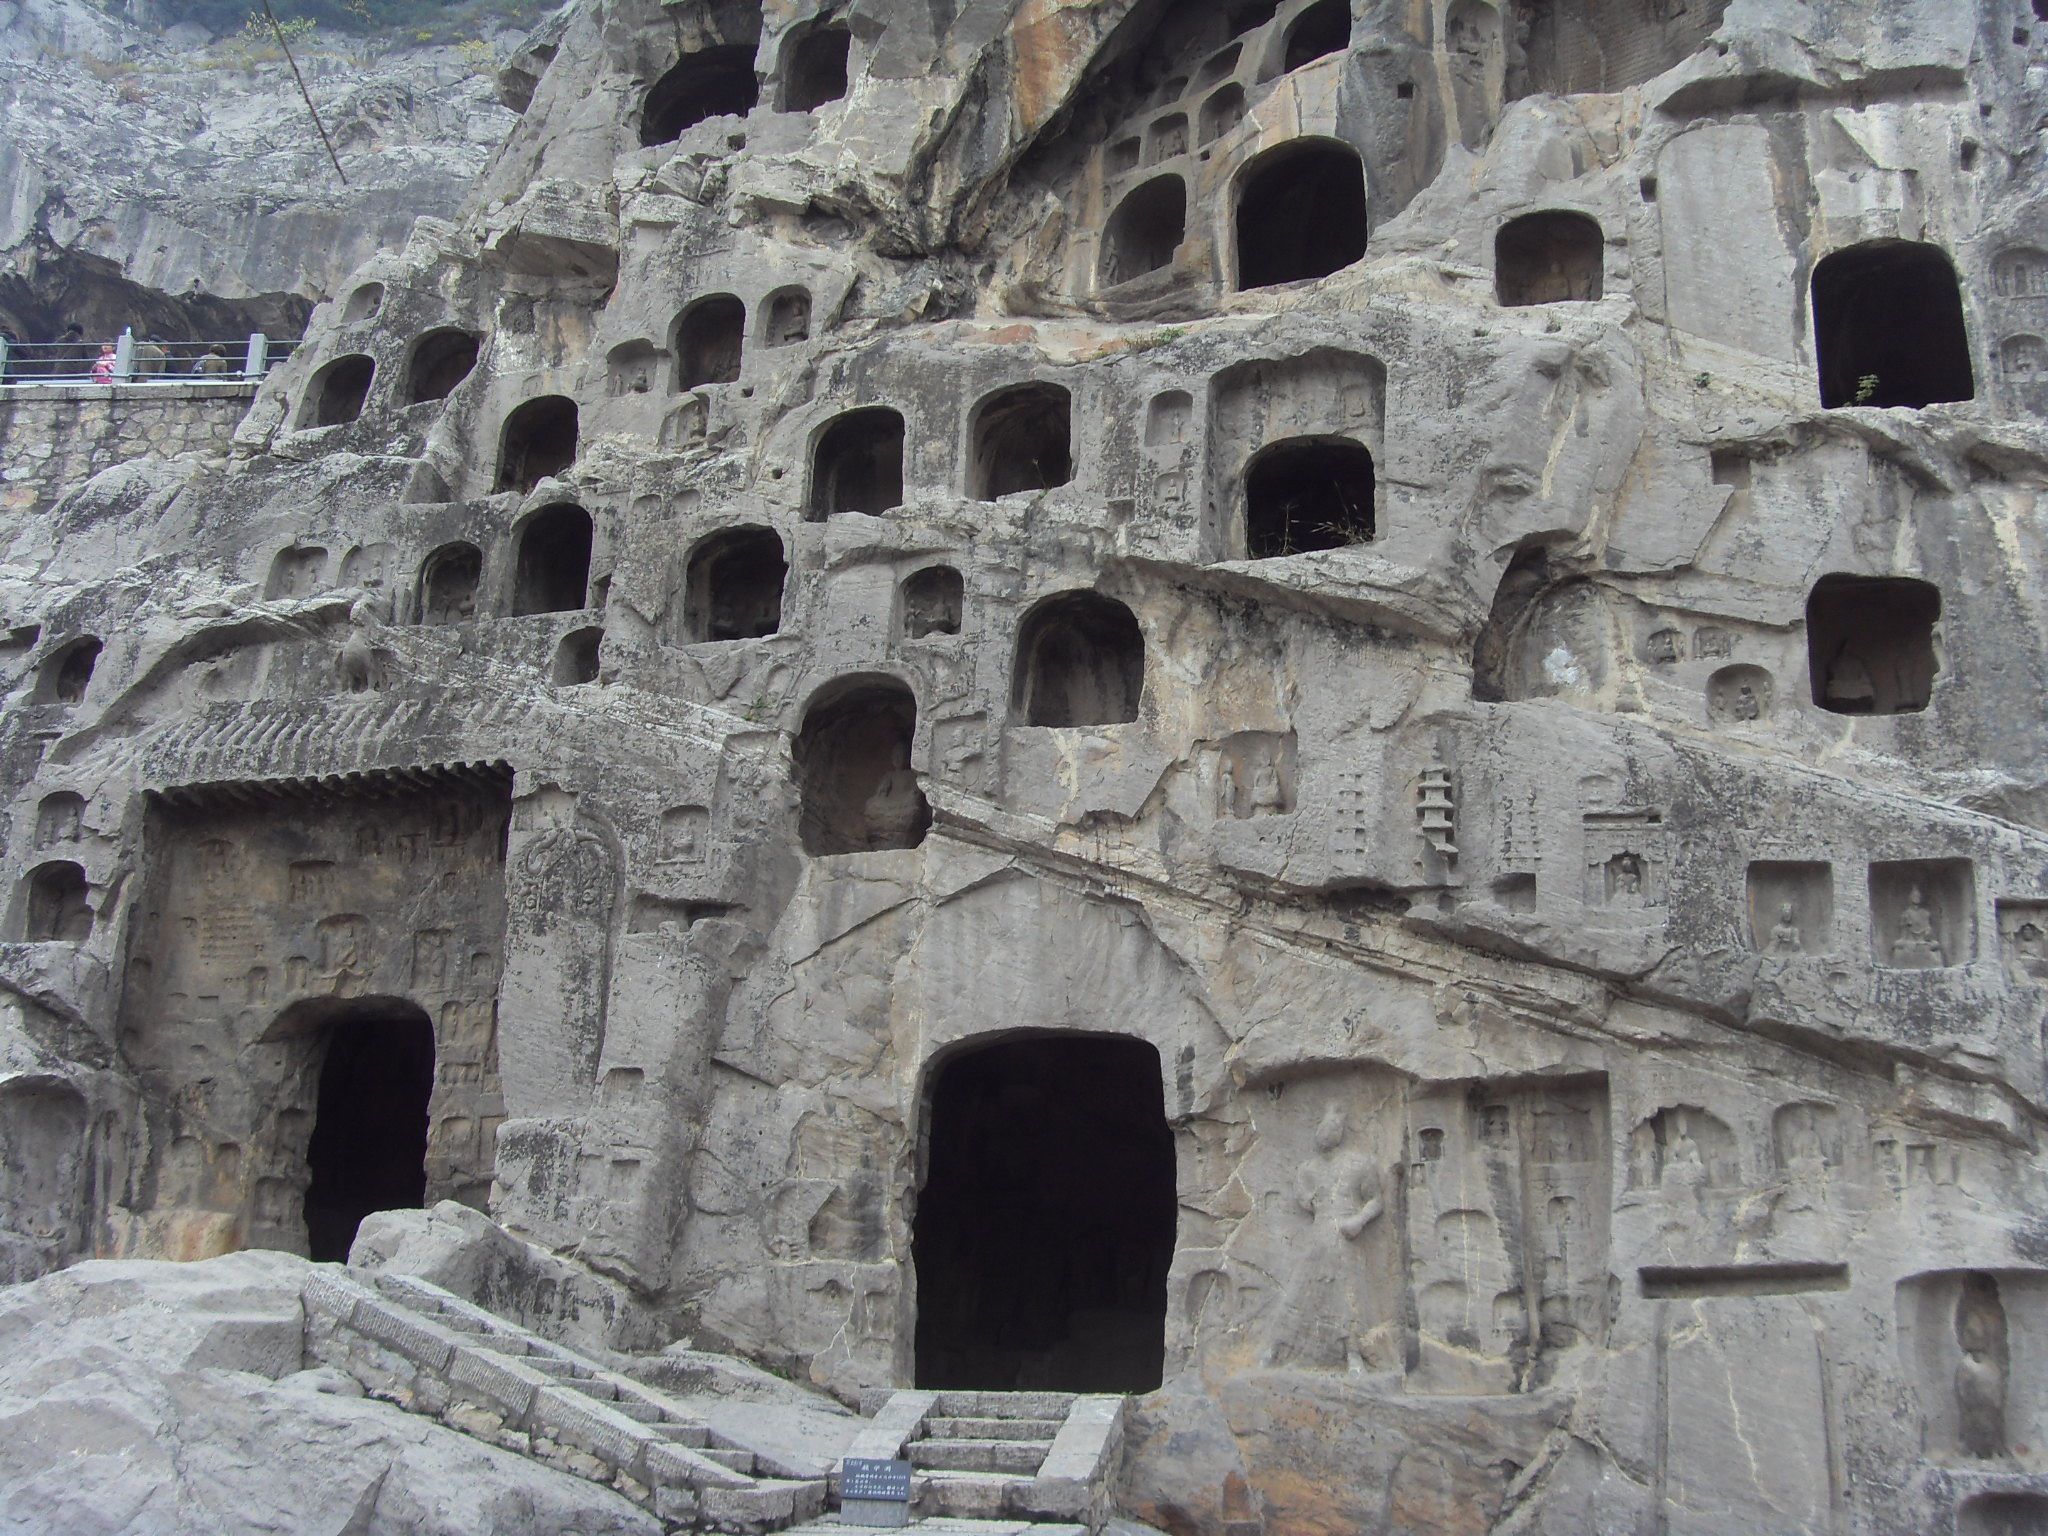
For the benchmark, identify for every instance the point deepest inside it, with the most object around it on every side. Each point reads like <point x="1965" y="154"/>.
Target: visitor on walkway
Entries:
<point x="103" y="367"/>
<point x="215" y="361"/>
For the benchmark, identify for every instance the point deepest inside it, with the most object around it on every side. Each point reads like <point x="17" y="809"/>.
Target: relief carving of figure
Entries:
<point x="1268" y="799"/>
<point x="895" y="810"/>
<point x="360" y="665"/>
<point x="1981" y="1376"/>
<point x="1916" y="944"/>
<point x="1785" y="938"/>
<point x="1318" y="1320"/>
<point x="1806" y="1170"/>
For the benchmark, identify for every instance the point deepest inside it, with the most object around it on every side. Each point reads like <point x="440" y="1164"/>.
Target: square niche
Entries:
<point x="1923" y="913"/>
<point x="1791" y="907"/>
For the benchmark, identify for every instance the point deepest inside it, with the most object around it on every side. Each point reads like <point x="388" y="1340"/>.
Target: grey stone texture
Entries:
<point x="56" y="437"/>
<point x="1529" y="729"/>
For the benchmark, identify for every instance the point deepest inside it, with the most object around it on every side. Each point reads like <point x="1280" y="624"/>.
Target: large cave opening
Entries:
<point x="369" y="1146"/>
<point x="1045" y="1226"/>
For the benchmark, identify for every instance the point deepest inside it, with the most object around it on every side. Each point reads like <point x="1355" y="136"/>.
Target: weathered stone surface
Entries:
<point x="146" y="1396"/>
<point x="1330" y="718"/>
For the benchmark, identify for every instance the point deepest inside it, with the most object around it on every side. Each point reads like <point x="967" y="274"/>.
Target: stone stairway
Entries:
<point x="1040" y="1461"/>
<point x="431" y="1352"/>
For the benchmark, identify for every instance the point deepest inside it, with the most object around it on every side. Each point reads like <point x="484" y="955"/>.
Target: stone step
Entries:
<point x="972" y="1495"/>
<point x="991" y="1429"/>
<point x="603" y="1391"/>
<point x="694" y="1436"/>
<point x="502" y="1343"/>
<point x="649" y="1414"/>
<point x="734" y="1461"/>
<point x="561" y="1370"/>
<point x="1016" y="1457"/>
<point x="1004" y="1405"/>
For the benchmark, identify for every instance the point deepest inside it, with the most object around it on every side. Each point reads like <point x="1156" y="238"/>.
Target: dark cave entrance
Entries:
<point x="1045" y="1226"/>
<point x="369" y="1146"/>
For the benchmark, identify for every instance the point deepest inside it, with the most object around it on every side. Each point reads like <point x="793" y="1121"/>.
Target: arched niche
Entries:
<point x="633" y="367"/>
<point x="440" y="360"/>
<point x="712" y="82"/>
<point x="577" y="657"/>
<point x="732" y="586"/>
<point x="539" y="441"/>
<point x="856" y="789"/>
<point x="363" y="304"/>
<point x="931" y="602"/>
<point x="67" y="673"/>
<point x="336" y="393"/>
<point x="710" y="336"/>
<point x="1301" y="213"/>
<point x="1308" y="493"/>
<point x="449" y="579"/>
<point x="1144" y="232"/>
<point x="1321" y="30"/>
<point x="814" y="67"/>
<point x="56" y="905"/>
<point x="786" y="317"/>
<point x="1080" y="661"/>
<point x="857" y="463"/>
<point x="1552" y="257"/>
<point x="1549" y="633"/>
<point x="60" y="818"/>
<point x="1022" y="441"/>
<point x="1888" y="327"/>
<point x="551" y="563"/>
<point x="296" y="571"/>
<point x="1223" y="111"/>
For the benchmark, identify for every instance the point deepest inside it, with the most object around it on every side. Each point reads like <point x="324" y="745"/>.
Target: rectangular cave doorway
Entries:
<point x="1045" y="1225"/>
<point x="368" y="1150"/>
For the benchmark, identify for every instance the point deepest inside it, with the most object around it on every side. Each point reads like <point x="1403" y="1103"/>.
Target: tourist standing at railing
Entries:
<point x="103" y="365"/>
<point x="149" y="356"/>
<point x="215" y="361"/>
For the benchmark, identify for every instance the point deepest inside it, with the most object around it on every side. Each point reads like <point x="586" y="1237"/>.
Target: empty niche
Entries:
<point x="1255" y="775"/>
<point x="1144" y="232"/>
<point x="1123" y="156"/>
<point x="1547" y="258"/>
<point x="932" y="600"/>
<point x="708" y="341"/>
<point x="732" y="587"/>
<point x="56" y="907"/>
<point x="1888" y="327"/>
<point x="2023" y="939"/>
<point x="1219" y="65"/>
<point x="338" y="390"/>
<point x="1308" y="494"/>
<point x="60" y="818"/>
<point x="551" y="571"/>
<point x="2004" y="1514"/>
<point x="1167" y="138"/>
<point x="440" y="360"/>
<point x="713" y="82"/>
<point x="364" y="303"/>
<point x="788" y="317"/>
<point x="814" y="68"/>
<point x="295" y="572"/>
<point x="631" y="368"/>
<point x="1300" y="213"/>
<point x="1923" y="913"/>
<point x="1870" y="644"/>
<point x="66" y="675"/>
<point x="1223" y="111"/>
<point x="1683" y="1148"/>
<point x="1022" y="440"/>
<point x="1739" y="694"/>
<point x="857" y="465"/>
<point x="1323" y="29"/>
<point x="576" y="657"/>
<point x="448" y="584"/>
<point x="1080" y="661"/>
<point x="856" y="788"/>
<point x="539" y="441"/>
<point x="1791" y="907"/>
<point x="1167" y="419"/>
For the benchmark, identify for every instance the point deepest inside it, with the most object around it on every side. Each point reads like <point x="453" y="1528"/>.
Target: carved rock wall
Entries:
<point x="1533" y="734"/>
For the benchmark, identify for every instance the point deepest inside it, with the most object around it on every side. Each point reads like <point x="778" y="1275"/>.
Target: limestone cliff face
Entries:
<point x="137" y="169"/>
<point x="1325" y="711"/>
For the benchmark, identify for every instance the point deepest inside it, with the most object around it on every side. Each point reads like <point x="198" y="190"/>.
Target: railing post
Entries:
<point x="124" y="353"/>
<point x="259" y="353"/>
<point x="3" y="359"/>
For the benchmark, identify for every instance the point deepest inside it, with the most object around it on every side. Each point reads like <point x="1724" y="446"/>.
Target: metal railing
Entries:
<point x="142" y="362"/>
